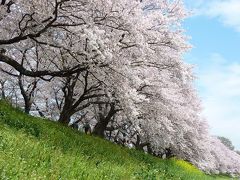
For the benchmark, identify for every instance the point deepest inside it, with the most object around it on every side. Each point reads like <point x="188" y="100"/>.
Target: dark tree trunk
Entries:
<point x="28" y="94"/>
<point x="65" y="117"/>
<point x="168" y="153"/>
<point x="67" y="111"/>
<point x="149" y="149"/>
<point x="138" y="144"/>
<point x="102" y="124"/>
<point x="100" y="127"/>
<point x="3" y="95"/>
<point x="27" y="106"/>
<point x="68" y="107"/>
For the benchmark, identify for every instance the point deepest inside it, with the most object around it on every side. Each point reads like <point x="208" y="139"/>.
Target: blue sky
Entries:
<point x="214" y="29"/>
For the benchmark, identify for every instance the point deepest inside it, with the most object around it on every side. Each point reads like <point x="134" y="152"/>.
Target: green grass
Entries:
<point x="33" y="148"/>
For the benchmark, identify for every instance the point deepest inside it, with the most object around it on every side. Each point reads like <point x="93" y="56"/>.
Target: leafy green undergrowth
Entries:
<point x="33" y="148"/>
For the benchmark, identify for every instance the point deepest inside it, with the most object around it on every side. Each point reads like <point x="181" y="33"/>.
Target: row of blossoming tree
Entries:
<point x="115" y="65"/>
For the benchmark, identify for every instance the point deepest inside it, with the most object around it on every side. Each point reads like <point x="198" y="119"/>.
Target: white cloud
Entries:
<point x="219" y="84"/>
<point x="226" y="11"/>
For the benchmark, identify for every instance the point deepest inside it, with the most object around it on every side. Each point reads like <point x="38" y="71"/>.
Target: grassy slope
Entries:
<point x="32" y="148"/>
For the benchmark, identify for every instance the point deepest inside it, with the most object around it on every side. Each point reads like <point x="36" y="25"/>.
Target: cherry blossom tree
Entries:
<point x="117" y="63"/>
